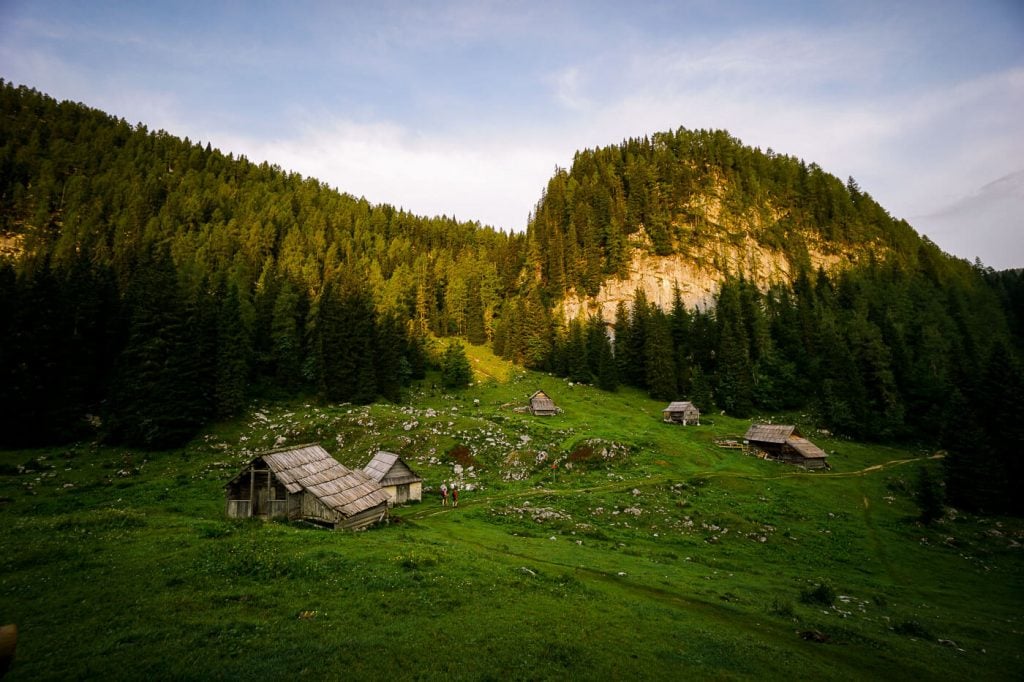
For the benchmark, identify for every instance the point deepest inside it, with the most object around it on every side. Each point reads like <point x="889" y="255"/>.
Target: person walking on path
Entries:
<point x="444" y="495"/>
<point x="455" y="496"/>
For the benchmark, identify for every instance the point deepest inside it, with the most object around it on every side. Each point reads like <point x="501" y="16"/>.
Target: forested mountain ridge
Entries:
<point x="154" y="284"/>
<point x="691" y="208"/>
<point x="155" y="274"/>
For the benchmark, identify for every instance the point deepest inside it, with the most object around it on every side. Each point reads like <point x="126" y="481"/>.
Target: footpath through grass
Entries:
<point x="598" y="544"/>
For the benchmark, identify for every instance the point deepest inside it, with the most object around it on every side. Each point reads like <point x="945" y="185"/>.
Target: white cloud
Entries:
<point x="473" y="179"/>
<point x="567" y="87"/>
<point x="988" y="223"/>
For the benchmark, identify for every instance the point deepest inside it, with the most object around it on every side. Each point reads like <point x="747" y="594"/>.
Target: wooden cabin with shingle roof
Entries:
<point x="305" y="482"/>
<point x="542" y="405"/>
<point x="396" y="479"/>
<point x="681" y="412"/>
<point x="784" y="443"/>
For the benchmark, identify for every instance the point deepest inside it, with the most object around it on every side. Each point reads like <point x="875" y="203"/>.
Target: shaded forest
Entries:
<point x="162" y="283"/>
<point x="154" y="284"/>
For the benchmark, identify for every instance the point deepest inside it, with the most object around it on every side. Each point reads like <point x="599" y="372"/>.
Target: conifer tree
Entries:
<point x="390" y="361"/>
<point x="679" y="321"/>
<point x="576" y="354"/>
<point x="735" y="373"/>
<point x="928" y="497"/>
<point x="476" y="332"/>
<point x="286" y="338"/>
<point x="622" y="344"/>
<point x="636" y="358"/>
<point x="158" y="397"/>
<point x="660" y="369"/>
<point x="537" y="332"/>
<point x="700" y="393"/>
<point x="344" y="343"/>
<point x="232" y="366"/>
<point x="455" y="368"/>
<point x="600" y="355"/>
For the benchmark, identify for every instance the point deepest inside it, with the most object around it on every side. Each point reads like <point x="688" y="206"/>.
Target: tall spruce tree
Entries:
<point x="735" y="372"/>
<point x="344" y="341"/>
<point x="158" y="397"/>
<point x="660" y="369"/>
<point x="286" y="349"/>
<point x="600" y="355"/>
<point x="576" y="354"/>
<point x="391" y="359"/>
<point x="232" y="369"/>
<point x="456" y="371"/>
<point x="636" y="342"/>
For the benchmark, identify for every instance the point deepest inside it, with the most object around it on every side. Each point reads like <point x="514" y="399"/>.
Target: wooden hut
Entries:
<point x="396" y="479"/>
<point x="305" y="482"/>
<point x="541" y="405"/>
<point x="783" y="442"/>
<point x="679" y="412"/>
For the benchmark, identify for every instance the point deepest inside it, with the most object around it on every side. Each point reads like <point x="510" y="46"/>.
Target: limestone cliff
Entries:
<point x="699" y="275"/>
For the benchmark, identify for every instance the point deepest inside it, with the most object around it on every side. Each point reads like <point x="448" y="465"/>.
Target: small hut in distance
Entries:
<point x="541" y="405"/>
<point x="784" y="443"/>
<point x="399" y="482"/>
<point x="305" y="482"/>
<point x="680" y="412"/>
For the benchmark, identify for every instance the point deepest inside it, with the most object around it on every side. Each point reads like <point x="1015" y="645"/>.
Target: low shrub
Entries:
<point x="782" y="608"/>
<point x="821" y="594"/>
<point x="911" y="628"/>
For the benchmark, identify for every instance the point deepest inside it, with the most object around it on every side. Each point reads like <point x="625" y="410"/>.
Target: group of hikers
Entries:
<point x="444" y="495"/>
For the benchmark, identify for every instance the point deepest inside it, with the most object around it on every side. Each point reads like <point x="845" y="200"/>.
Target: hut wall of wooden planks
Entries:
<point x="398" y="481"/>
<point x="542" y="405"/>
<point x="306" y="483"/>
<point x="681" y="412"/>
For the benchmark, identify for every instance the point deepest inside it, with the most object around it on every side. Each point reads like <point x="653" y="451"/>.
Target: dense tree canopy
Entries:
<point x="157" y="282"/>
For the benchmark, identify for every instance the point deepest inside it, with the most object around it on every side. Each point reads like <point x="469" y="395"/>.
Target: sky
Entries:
<point x="465" y="108"/>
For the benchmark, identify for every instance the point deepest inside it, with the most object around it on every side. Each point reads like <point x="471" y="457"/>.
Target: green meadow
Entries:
<point x="597" y="544"/>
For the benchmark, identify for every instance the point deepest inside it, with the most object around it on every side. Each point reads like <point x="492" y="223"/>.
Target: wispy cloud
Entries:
<point x="567" y="88"/>
<point x="989" y="223"/>
<point x="473" y="179"/>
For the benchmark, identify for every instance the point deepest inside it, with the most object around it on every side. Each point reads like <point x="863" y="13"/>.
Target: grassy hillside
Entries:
<point x="598" y="544"/>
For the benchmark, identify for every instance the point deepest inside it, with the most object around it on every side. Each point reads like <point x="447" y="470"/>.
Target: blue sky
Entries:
<point x="465" y="108"/>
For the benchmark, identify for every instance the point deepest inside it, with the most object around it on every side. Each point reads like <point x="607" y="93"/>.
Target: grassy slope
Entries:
<point x="676" y="558"/>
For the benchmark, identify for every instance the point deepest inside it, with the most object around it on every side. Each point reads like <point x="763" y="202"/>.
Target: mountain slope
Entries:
<point x="694" y="207"/>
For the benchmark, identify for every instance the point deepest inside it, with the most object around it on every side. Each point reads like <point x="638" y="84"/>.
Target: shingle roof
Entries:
<point x="311" y="468"/>
<point x="387" y="468"/>
<point x="541" y="401"/>
<point x="680" y="406"/>
<point x="769" y="433"/>
<point x="806" y="448"/>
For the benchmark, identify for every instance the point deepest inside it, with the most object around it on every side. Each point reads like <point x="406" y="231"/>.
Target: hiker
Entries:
<point x="444" y="495"/>
<point x="455" y="496"/>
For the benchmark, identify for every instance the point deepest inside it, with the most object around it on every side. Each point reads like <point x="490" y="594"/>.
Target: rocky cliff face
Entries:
<point x="715" y="243"/>
<point x="699" y="275"/>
